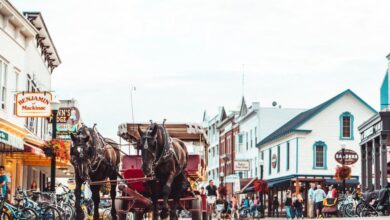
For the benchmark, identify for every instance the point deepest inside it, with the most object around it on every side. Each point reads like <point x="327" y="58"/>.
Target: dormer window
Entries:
<point x="346" y="126"/>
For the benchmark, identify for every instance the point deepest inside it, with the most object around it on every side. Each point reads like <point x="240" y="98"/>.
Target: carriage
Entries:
<point x="135" y="197"/>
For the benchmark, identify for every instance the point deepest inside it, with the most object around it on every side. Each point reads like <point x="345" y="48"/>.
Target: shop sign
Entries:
<point x="67" y="115"/>
<point x="231" y="178"/>
<point x="350" y="157"/>
<point x="33" y="104"/>
<point x="274" y="161"/>
<point x="241" y="165"/>
<point x="236" y="185"/>
<point x="3" y="135"/>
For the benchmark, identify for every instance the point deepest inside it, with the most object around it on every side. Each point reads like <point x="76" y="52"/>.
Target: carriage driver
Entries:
<point x="212" y="193"/>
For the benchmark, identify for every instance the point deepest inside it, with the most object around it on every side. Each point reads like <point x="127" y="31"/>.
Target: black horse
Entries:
<point x="94" y="158"/>
<point x="164" y="158"/>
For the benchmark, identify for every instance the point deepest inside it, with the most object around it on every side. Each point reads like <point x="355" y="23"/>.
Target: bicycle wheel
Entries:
<point x="359" y="208"/>
<point x="348" y="210"/>
<point x="68" y="211"/>
<point x="51" y="213"/>
<point x="28" y="213"/>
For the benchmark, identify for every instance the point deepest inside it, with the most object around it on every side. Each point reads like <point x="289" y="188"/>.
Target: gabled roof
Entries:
<point x="222" y="114"/>
<point x="243" y="108"/>
<point x="293" y="124"/>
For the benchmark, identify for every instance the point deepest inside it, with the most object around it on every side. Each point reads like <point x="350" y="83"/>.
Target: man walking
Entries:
<point x="310" y="207"/>
<point x="319" y="197"/>
<point x="211" y="194"/>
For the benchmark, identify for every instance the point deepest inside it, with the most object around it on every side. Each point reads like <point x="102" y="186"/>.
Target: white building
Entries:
<point x="303" y="150"/>
<point x="256" y="123"/>
<point x="211" y="124"/>
<point x="27" y="59"/>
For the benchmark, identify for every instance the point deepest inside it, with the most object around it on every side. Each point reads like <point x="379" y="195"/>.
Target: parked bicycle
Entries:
<point x="8" y="211"/>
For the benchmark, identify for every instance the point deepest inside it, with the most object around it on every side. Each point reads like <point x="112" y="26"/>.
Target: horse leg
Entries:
<point x="176" y="200"/>
<point x="154" y="196"/>
<point x="96" y="200"/>
<point x="77" y="206"/>
<point x="113" y="176"/>
<point x="166" y="191"/>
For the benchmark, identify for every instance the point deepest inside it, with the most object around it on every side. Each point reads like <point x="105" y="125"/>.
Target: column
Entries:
<point x="363" y="149"/>
<point x="369" y="167"/>
<point x="383" y="141"/>
<point x="376" y="148"/>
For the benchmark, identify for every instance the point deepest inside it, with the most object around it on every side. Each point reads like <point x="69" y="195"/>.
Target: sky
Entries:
<point x="185" y="57"/>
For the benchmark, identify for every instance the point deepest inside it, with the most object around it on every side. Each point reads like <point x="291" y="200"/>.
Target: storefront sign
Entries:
<point x="231" y="178"/>
<point x="350" y="157"/>
<point x="33" y="104"/>
<point x="3" y="135"/>
<point x="274" y="161"/>
<point x="11" y="140"/>
<point x="241" y="165"/>
<point x="67" y="115"/>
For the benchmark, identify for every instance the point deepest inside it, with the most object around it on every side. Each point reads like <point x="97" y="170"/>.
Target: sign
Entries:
<point x="236" y="186"/>
<point x="67" y="115"/>
<point x="350" y="157"/>
<point x="3" y="135"/>
<point x="241" y="165"/>
<point x="33" y="104"/>
<point x="231" y="178"/>
<point x="274" y="161"/>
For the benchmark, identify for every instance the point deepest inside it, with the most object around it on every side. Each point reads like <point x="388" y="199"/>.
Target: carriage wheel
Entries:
<point x="196" y="206"/>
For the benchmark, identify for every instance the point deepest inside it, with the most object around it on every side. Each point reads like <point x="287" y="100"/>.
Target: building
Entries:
<point x="27" y="60"/>
<point x="228" y="131"/>
<point x="256" y="123"/>
<point x="304" y="149"/>
<point x="210" y="125"/>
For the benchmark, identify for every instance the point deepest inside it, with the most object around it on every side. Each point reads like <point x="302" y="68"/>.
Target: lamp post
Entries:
<point x="55" y="105"/>
<point x="261" y="162"/>
<point x="343" y="162"/>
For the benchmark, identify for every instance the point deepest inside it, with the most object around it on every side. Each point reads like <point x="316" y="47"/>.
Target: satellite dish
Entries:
<point x="274" y="103"/>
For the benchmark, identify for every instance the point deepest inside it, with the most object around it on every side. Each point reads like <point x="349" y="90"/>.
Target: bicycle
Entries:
<point x="44" y="210"/>
<point x="8" y="211"/>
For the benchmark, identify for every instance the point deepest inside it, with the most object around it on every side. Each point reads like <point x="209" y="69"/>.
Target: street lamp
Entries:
<point x="261" y="163"/>
<point x="55" y="105"/>
<point x="343" y="162"/>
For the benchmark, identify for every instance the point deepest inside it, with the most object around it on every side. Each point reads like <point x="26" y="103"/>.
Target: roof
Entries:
<point x="293" y="124"/>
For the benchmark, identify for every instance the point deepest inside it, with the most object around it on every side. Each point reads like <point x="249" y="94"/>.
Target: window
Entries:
<point x="247" y="141"/>
<point x="262" y="155"/>
<point x="278" y="162"/>
<point x="251" y="136"/>
<point x="288" y="156"/>
<point x="319" y="155"/>
<point x="3" y="84"/>
<point x="269" y="161"/>
<point x="255" y="135"/>
<point x="16" y="88"/>
<point x="346" y="126"/>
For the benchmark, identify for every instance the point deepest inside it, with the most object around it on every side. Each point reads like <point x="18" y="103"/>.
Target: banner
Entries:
<point x="33" y="104"/>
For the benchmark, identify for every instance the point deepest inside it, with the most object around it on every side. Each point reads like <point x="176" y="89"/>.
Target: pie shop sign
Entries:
<point x="33" y="104"/>
<point x="350" y="157"/>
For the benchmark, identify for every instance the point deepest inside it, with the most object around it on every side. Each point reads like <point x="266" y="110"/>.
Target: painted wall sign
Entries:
<point x="241" y="165"/>
<point x="33" y="104"/>
<point x="274" y="161"/>
<point x="350" y="157"/>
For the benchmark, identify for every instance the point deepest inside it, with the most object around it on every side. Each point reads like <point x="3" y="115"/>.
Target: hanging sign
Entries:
<point x="33" y="104"/>
<point x="67" y="115"/>
<point x="241" y="165"/>
<point x="350" y="157"/>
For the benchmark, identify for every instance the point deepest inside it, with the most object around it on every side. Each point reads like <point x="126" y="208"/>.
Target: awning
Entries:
<point x="248" y="185"/>
<point x="279" y="183"/>
<point x="349" y="182"/>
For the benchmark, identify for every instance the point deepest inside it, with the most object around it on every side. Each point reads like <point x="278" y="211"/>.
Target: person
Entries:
<point x="3" y="181"/>
<point x="334" y="192"/>
<point x="329" y="195"/>
<point x="298" y="205"/>
<point x="319" y="197"/>
<point x="275" y="207"/>
<point x="293" y="212"/>
<point x="47" y="188"/>
<point x="288" y="204"/>
<point x="310" y="207"/>
<point x="234" y="207"/>
<point x="246" y="202"/>
<point x="202" y="191"/>
<point x="34" y="186"/>
<point x="211" y="194"/>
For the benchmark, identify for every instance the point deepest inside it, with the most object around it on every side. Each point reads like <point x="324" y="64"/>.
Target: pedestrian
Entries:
<point x="3" y="182"/>
<point x="234" y="207"/>
<point x="329" y="195"/>
<point x="288" y="204"/>
<point x="34" y="186"/>
<point x="275" y="206"/>
<point x="202" y="191"/>
<point x="246" y="202"/>
<point x="211" y="194"/>
<point x="298" y="205"/>
<point x="319" y="197"/>
<point x="293" y="211"/>
<point x="252" y="206"/>
<point x="310" y="207"/>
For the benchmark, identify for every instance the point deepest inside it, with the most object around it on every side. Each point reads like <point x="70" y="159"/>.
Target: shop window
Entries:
<point x="319" y="155"/>
<point x="3" y="84"/>
<point x="346" y="126"/>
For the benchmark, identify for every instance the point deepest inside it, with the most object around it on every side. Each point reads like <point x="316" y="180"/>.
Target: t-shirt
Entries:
<point x="211" y="190"/>
<point x="319" y="195"/>
<point x="4" y="179"/>
<point x="288" y="201"/>
<point x="311" y="193"/>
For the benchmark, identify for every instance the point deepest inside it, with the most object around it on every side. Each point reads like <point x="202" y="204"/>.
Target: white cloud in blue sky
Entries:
<point x="186" y="56"/>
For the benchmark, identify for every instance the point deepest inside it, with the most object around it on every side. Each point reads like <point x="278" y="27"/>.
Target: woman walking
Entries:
<point x="298" y="205"/>
<point x="288" y="205"/>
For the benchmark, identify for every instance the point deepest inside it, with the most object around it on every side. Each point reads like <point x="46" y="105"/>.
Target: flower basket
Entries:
<point x="343" y="172"/>
<point x="57" y="147"/>
<point x="260" y="186"/>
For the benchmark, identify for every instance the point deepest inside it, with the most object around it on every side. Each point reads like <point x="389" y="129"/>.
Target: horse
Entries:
<point x="94" y="158"/>
<point x="165" y="160"/>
